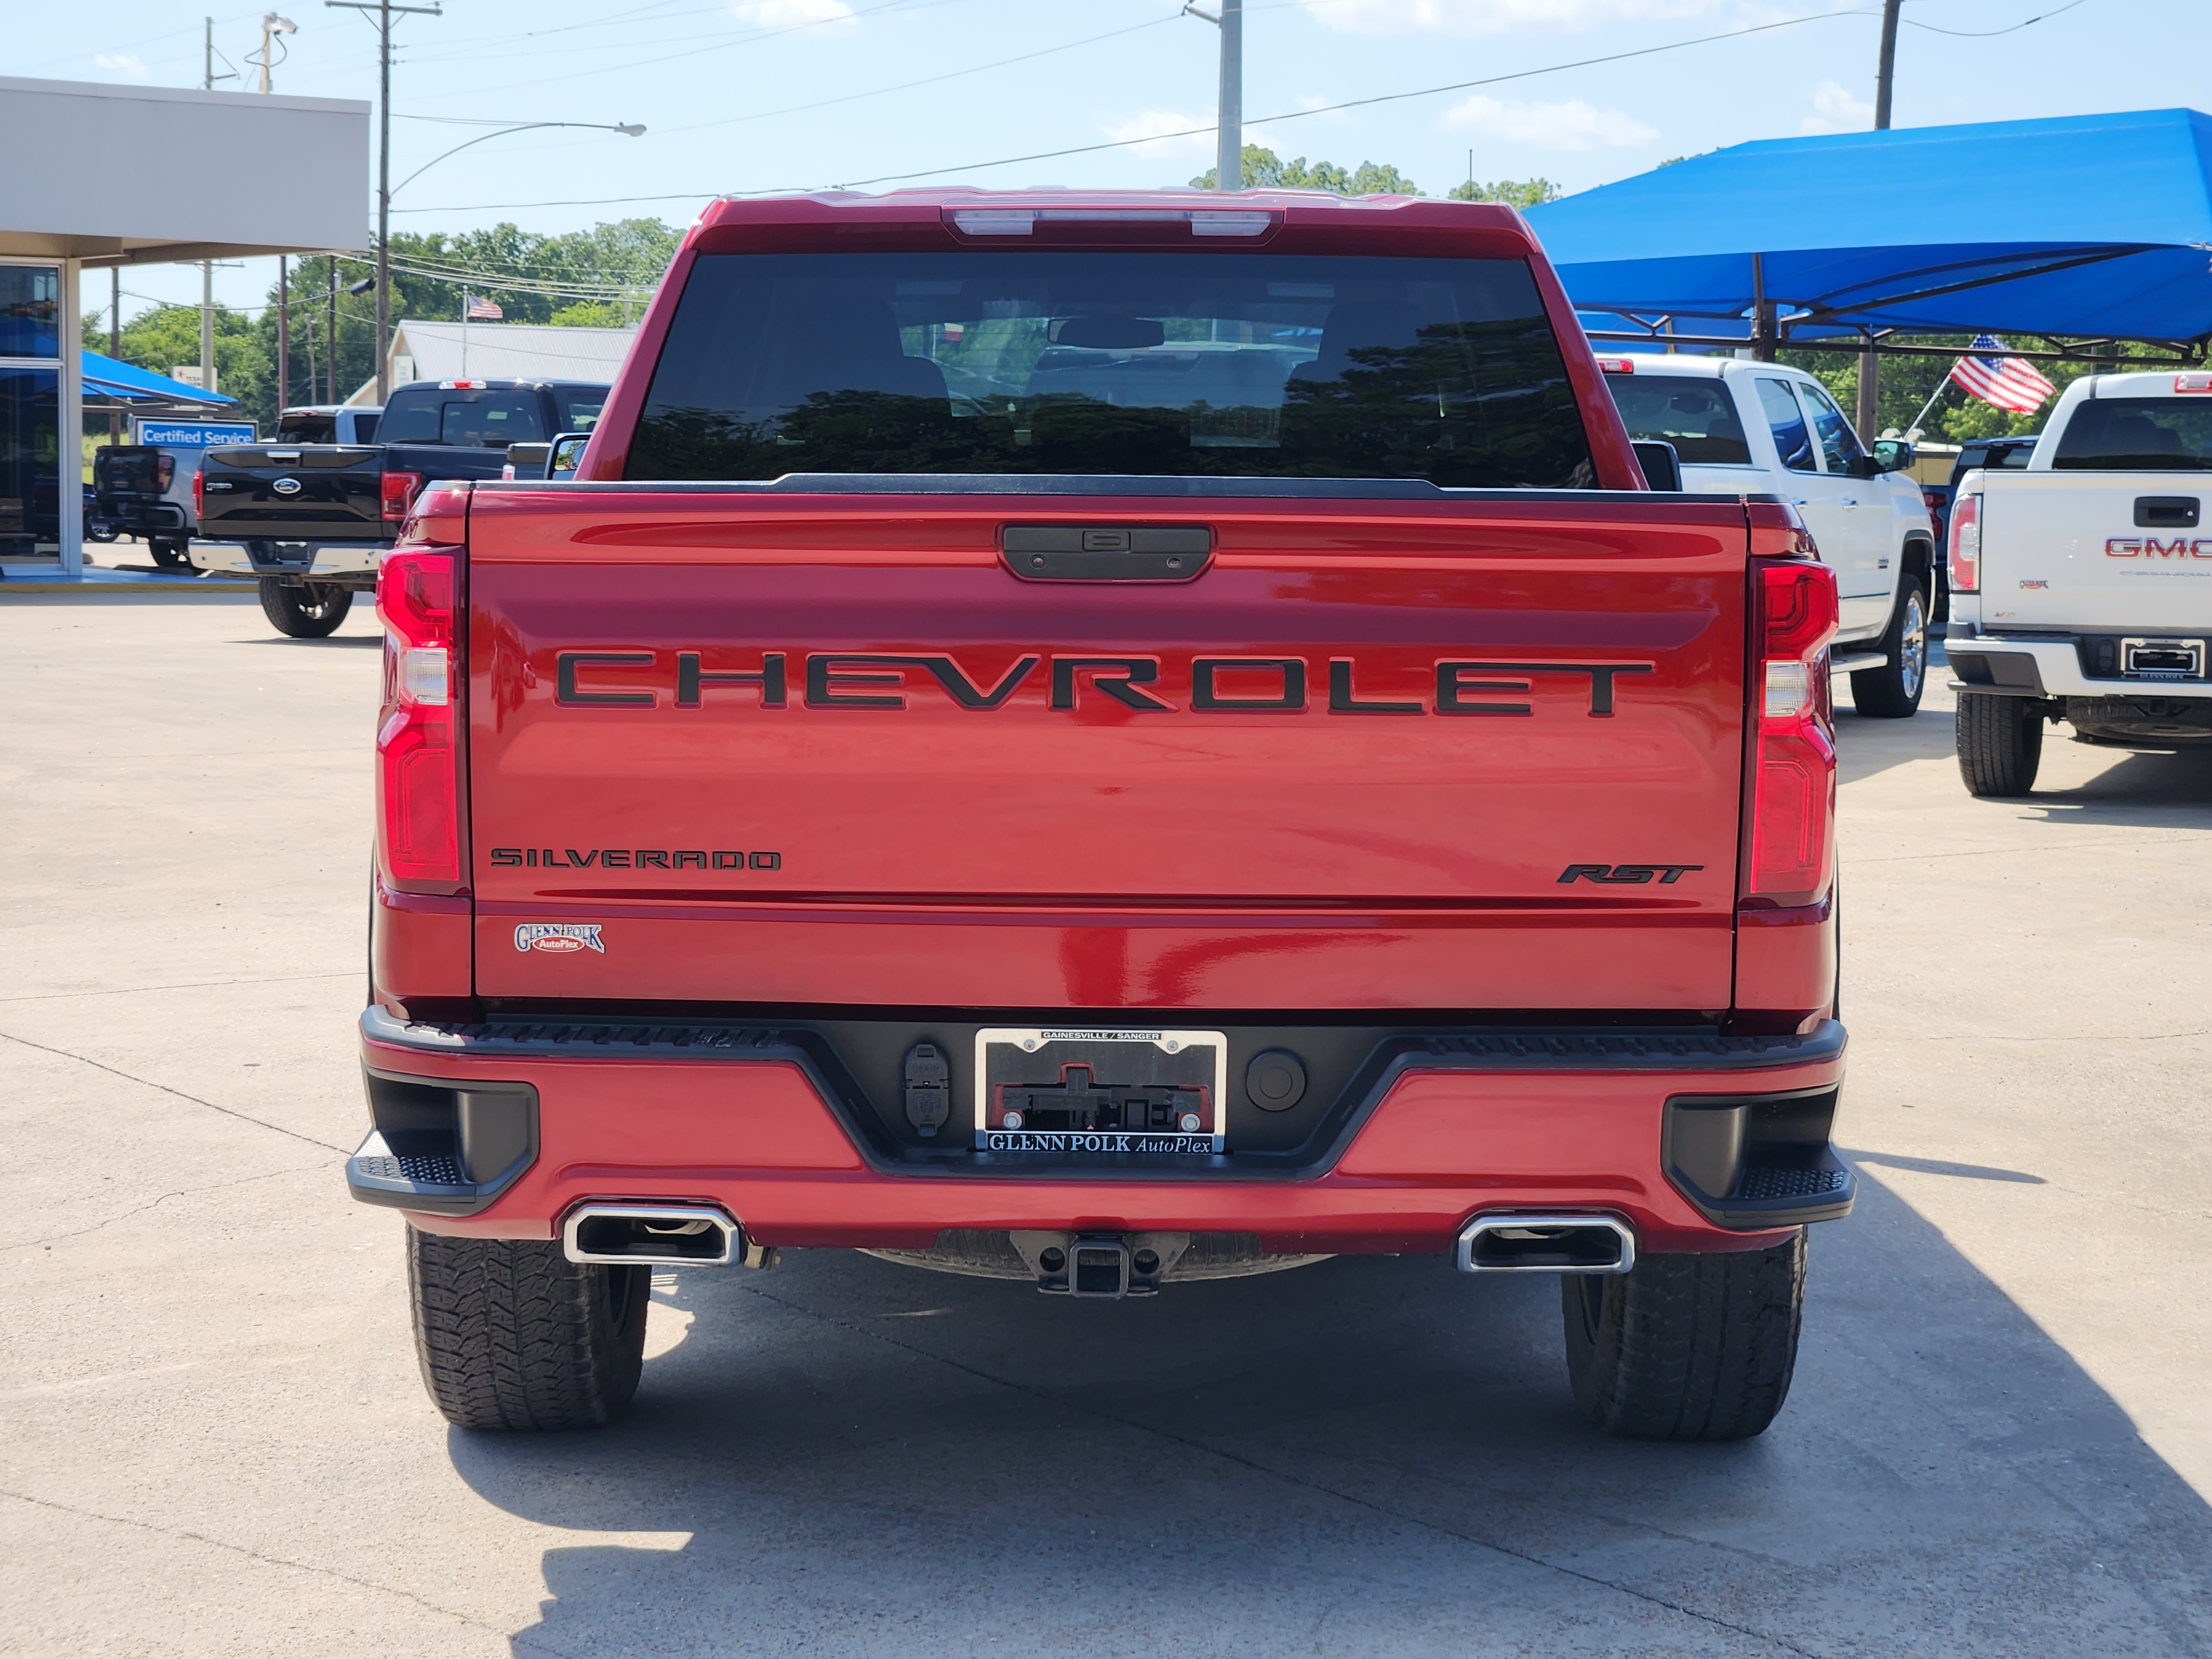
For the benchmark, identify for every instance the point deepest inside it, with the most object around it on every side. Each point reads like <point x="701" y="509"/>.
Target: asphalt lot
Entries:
<point x="213" y="1439"/>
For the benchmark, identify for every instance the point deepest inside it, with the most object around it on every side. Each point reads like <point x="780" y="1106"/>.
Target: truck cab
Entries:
<point x="328" y="423"/>
<point x="1745" y="427"/>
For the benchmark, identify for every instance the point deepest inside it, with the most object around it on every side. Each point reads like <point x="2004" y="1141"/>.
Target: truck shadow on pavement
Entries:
<point x="1373" y="1455"/>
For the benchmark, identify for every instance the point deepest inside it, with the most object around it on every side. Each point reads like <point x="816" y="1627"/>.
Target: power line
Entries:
<point x="1985" y="34"/>
<point x="1187" y="133"/>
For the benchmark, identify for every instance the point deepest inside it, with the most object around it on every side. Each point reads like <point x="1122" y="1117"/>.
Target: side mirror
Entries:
<point x="567" y="454"/>
<point x="1893" y="455"/>
<point x="1662" y="467"/>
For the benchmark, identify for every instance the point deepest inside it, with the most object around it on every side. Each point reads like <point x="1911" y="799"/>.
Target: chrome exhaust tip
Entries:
<point x="650" y="1235"/>
<point x="1546" y="1244"/>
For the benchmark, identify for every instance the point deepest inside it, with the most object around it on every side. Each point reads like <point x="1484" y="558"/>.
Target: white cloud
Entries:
<point x="129" y="65"/>
<point x="791" y="14"/>
<point x="1489" y="16"/>
<point x="1835" y="110"/>
<point x="1573" y="124"/>
<point x="1155" y="123"/>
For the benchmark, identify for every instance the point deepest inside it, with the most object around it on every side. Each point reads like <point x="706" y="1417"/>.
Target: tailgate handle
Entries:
<point x="1106" y="552"/>
<point x="2166" y="512"/>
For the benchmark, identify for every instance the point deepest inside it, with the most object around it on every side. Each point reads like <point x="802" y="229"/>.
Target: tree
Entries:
<point x="1265" y="170"/>
<point x="167" y="337"/>
<point x="1514" y="192"/>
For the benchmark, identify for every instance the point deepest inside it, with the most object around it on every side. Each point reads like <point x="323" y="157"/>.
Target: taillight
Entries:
<point x="400" y="489"/>
<point x="1966" y="544"/>
<point x="199" y="494"/>
<point x="1790" y="847"/>
<point x="1932" y="499"/>
<point x="165" y="472"/>
<point x="418" y="781"/>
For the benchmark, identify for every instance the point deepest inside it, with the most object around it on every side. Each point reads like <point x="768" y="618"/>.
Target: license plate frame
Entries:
<point x="1017" y="1057"/>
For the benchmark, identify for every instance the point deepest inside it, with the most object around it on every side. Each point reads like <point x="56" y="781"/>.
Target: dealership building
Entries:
<point x="130" y="175"/>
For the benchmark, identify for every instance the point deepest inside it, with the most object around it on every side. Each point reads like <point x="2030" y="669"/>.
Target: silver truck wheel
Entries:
<point x="511" y="1334"/>
<point x="1893" y="693"/>
<point x="2000" y="743"/>
<point x="311" y="611"/>
<point x="1687" y="1347"/>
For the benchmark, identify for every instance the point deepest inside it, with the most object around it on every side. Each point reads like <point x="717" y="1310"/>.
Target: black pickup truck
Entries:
<point x="311" y="521"/>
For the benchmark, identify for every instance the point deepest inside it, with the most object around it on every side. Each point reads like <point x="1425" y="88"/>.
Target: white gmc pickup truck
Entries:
<point x="2081" y="586"/>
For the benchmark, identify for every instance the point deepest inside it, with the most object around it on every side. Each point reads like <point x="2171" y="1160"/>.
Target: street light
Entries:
<point x="629" y="129"/>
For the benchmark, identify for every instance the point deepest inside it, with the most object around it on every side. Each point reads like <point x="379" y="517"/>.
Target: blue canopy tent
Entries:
<point x="2087" y="230"/>
<point x="108" y="383"/>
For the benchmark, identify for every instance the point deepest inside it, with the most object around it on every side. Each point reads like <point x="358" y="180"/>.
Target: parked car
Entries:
<point x="1749" y="427"/>
<point x="2079" y="580"/>
<point x="1189" y="812"/>
<point x="328" y="423"/>
<point x="141" y="490"/>
<point x="1974" y="455"/>
<point x="310" y="522"/>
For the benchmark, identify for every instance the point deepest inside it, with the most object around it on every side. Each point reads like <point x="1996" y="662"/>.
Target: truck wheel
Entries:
<point x="2000" y="743"/>
<point x="310" y="611"/>
<point x="1893" y="693"/>
<point x="169" y="554"/>
<point x="511" y="1334"/>
<point x="1687" y="1347"/>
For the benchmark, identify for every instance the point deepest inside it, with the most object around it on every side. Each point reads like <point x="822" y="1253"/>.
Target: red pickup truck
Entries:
<point x="1105" y="740"/>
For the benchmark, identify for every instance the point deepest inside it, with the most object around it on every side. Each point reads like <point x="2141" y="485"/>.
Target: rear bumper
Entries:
<point x="1647" y="1128"/>
<point x="295" y="560"/>
<point x="2051" y="665"/>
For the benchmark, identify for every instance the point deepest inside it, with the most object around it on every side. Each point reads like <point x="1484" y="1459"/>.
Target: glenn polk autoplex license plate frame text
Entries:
<point x="1032" y="1046"/>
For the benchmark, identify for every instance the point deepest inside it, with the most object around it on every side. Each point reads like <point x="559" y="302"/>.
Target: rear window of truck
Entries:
<point x="476" y="420"/>
<point x="1696" y="415"/>
<point x="1182" y="364"/>
<point x="2136" y="435"/>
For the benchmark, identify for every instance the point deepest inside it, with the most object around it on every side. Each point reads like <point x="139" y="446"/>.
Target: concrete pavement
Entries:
<point x="212" y="1439"/>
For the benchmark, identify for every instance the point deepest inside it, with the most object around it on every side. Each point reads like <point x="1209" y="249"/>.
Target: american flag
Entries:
<point x="488" y="310"/>
<point x="2008" y="382"/>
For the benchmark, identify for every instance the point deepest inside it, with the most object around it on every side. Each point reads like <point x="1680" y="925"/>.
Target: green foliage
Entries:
<point x="1514" y="192"/>
<point x="595" y="313"/>
<point x="167" y="337"/>
<point x="1265" y="170"/>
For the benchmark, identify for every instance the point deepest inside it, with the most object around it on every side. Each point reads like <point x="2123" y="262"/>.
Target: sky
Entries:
<point x="755" y="95"/>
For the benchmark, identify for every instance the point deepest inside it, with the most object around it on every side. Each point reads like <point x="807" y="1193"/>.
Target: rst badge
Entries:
<point x="559" y="937"/>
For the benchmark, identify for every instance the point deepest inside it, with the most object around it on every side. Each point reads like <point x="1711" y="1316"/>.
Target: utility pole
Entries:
<point x="271" y="24"/>
<point x="1884" y="80"/>
<point x="331" y="335"/>
<point x="383" y="9"/>
<point x="115" y="343"/>
<point x="1229" y="168"/>
<point x="208" y="78"/>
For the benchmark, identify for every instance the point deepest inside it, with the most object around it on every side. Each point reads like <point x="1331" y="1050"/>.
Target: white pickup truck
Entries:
<point x="1753" y="428"/>
<point x="2081" y="586"/>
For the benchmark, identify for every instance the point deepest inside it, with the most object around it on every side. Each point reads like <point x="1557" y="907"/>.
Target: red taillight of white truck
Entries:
<point x="1790" y="848"/>
<point x="417" y="731"/>
<point x="1966" y="544"/>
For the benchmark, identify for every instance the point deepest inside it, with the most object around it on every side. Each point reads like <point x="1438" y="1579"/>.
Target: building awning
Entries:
<point x="2096" y="226"/>
<point x="105" y="379"/>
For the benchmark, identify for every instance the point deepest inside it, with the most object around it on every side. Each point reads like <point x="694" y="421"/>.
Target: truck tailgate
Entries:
<point x="2066" y="549"/>
<point x="329" y="492"/>
<point x="746" y="746"/>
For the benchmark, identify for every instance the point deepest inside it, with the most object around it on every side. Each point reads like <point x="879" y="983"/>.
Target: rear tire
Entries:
<point x="311" y="611"/>
<point x="511" y="1334"/>
<point x="1687" y="1347"/>
<point x="1893" y="693"/>
<point x="168" y="555"/>
<point x="2000" y="743"/>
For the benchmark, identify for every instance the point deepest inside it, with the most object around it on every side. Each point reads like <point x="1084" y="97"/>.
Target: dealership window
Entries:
<point x="31" y="471"/>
